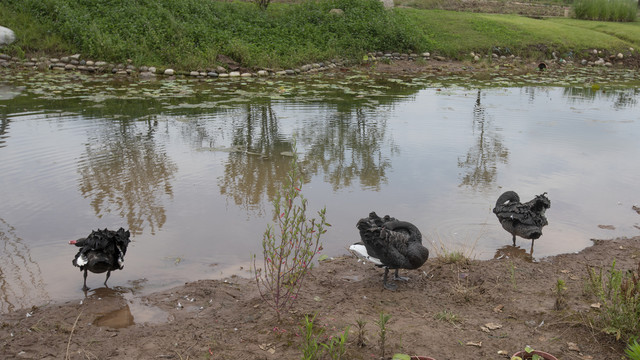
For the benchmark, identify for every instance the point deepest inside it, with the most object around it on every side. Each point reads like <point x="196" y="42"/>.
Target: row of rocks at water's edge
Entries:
<point x="76" y="63"/>
<point x="232" y="69"/>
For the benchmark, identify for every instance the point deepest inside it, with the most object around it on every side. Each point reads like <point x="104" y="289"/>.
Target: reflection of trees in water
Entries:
<point x="20" y="276"/>
<point x="255" y="167"/>
<point x="124" y="171"/>
<point x="348" y="146"/>
<point x="344" y="147"/>
<point x="479" y="165"/>
<point x="621" y="98"/>
<point x="4" y="126"/>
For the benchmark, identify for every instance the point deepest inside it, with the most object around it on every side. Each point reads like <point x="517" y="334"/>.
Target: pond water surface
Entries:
<point x="190" y="167"/>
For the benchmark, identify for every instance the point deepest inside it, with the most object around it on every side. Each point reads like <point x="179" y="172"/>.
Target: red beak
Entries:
<point x="72" y="242"/>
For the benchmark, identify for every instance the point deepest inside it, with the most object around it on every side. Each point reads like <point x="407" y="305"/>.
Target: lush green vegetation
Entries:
<point x="608" y="10"/>
<point x="191" y="33"/>
<point x="188" y="34"/>
<point x="619" y="293"/>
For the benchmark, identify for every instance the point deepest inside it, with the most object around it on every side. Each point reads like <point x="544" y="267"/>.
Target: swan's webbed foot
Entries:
<point x="397" y="277"/>
<point x="388" y="285"/>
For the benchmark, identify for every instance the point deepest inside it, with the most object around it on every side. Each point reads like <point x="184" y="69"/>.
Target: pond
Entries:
<point x="190" y="167"/>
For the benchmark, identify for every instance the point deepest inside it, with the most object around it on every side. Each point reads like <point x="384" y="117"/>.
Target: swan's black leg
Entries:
<point x="105" y="280"/>
<point x="514" y="239"/>
<point x="532" y="240"/>
<point x="398" y="277"/>
<point x="84" y="287"/>
<point x="387" y="285"/>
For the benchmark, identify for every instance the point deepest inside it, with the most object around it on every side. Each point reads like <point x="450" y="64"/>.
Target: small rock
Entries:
<point x="234" y="73"/>
<point x="338" y="12"/>
<point x="152" y="69"/>
<point x="620" y="56"/>
<point x="169" y="72"/>
<point x="476" y="58"/>
<point x="573" y="346"/>
<point x="212" y="74"/>
<point x="263" y="73"/>
<point x="245" y="75"/>
<point x="194" y="73"/>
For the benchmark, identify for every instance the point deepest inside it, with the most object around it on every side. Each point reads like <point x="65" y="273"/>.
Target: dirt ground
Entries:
<point x="440" y="313"/>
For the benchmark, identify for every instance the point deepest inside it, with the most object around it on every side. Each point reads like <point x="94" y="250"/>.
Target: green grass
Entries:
<point x="607" y="10"/>
<point x="454" y="33"/>
<point x="190" y="34"/>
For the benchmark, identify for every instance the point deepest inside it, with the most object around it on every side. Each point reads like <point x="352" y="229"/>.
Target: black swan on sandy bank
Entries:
<point x="390" y="243"/>
<point x="522" y="219"/>
<point x="102" y="250"/>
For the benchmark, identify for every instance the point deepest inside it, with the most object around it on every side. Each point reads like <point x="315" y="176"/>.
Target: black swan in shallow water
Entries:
<point x="390" y="243"/>
<point x="102" y="250"/>
<point x="522" y="219"/>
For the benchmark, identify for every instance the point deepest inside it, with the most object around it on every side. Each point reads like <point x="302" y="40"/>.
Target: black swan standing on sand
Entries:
<point x="102" y="250"/>
<point x="522" y="219"/>
<point x="390" y="243"/>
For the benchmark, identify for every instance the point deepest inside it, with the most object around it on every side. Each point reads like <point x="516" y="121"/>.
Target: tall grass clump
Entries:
<point x="606" y="10"/>
<point x="290" y="245"/>
<point x="619" y="293"/>
<point x="191" y="33"/>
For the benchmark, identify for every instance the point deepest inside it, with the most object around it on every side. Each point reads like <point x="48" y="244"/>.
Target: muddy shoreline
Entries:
<point x="442" y="312"/>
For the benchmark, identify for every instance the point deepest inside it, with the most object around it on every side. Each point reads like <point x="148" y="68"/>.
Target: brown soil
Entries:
<point x="226" y="319"/>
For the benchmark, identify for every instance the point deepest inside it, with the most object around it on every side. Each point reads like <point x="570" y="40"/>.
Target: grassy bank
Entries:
<point x="191" y="33"/>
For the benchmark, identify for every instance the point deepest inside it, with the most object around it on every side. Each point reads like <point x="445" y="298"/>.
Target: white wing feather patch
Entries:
<point x="361" y="252"/>
<point x="81" y="260"/>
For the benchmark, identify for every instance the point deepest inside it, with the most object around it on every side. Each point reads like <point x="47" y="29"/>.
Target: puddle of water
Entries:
<point x="190" y="168"/>
<point x="133" y="312"/>
<point x="117" y="319"/>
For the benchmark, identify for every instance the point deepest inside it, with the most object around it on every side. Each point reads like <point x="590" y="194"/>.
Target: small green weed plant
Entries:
<point x="290" y="245"/>
<point x="560" y="290"/>
<point x="529" y="350"/>
<point x="313" y="349"/>
<point x="382" y="333"/>
<point x="633" y="350"/>
<point x="619" y="293"/>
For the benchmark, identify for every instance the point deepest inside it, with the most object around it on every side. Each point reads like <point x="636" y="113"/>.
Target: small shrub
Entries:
<point x="289" y="251"/>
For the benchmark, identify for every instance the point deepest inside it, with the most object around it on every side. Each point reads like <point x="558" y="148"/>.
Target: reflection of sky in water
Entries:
<point x="438" y="159"/>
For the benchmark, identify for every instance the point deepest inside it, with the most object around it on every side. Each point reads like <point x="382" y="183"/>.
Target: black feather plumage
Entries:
<point x="102" y="250"/>
<point x="393" y="243"/>
<point x="522" y="219"/>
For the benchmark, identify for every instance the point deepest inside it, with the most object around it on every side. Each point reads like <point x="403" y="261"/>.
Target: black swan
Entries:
<point x="390" y="243"/>
<point x="102" y="250"/>
<point x="522" y="219"/>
